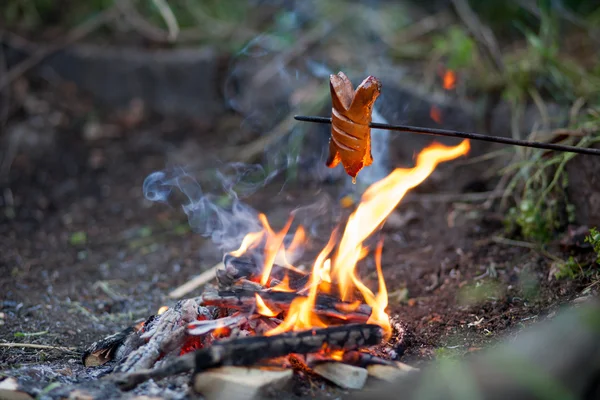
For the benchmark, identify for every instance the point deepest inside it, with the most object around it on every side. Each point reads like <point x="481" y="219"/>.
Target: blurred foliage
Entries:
<point x="38" y="14"/>
<point x="457" y="46"/>
<point x="540" y="65"/>
<point x="539" y="186"/>
<point x="594" y="240"/>
<point x="569" y="269"/>
<point x="227" y="23"/>
<point x="573" y="268"/>
<point x="78" y="238"/>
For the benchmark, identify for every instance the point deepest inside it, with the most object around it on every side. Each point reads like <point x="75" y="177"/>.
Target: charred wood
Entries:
<point x="164" y="334"/>
<point x="105" y="350"/>
<point x="199" y="328"/>
<point x="237" y="268"/>
<point x="252" y="350"/>
<point x="248" y="268"/>
<point x="325" y="305"/>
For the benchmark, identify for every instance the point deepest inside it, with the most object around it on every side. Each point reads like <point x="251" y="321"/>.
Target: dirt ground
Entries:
<point x="83" y="254"/>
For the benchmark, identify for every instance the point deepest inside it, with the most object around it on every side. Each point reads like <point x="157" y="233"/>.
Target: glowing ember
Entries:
<point x="337" y="355"/>
<point x="436" y="114"/>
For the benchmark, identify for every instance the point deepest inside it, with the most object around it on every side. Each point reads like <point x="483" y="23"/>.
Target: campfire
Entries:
<point x="268" y="317"/>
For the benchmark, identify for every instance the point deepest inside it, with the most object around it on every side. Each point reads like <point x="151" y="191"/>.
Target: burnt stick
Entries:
<point x="251" y="350"/>
<point x="104" y="350"/>
<point x="464" y="135"/>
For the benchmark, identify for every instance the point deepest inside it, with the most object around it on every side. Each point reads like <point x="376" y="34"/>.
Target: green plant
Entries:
<point x="572" y="269"/>
<point x="457" y="46"/>
<point x="539" y="185"/>
<point x="569" y="269"/>
<point x="447" y="353"/>
<point x="594" y="239"/>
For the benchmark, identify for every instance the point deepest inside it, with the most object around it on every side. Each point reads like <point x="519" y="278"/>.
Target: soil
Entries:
<point x="83" y="254"/>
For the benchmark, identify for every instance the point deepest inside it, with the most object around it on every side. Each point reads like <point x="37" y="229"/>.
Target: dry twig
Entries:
<point x="39" y="347"/>
<point x="453" y="197"/>
<point x="196" y="282"/>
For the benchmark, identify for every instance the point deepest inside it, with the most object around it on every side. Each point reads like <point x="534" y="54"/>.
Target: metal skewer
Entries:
<point x="464" y="135"/>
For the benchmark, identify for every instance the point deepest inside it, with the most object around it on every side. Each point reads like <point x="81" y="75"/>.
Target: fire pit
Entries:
<point x="267" y="318"/>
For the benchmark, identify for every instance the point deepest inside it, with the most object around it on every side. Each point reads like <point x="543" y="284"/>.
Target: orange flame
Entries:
<point x="339" y="267"/>
<point x="250" y="241"/>
<point x="300" y="316"/>
<point x="449" y="80"/>
<point x="272" y="246"/>
<point x="283" y="286"/>
<point x="262" y="308"/>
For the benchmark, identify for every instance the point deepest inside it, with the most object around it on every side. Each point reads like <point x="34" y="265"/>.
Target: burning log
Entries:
<point x="344" y="375"/>
<point x="240" y="383"/>
<point x="252" y="350"/>
<point x="237" y="268"/>
<point x="324" y="306"/>
<point x="199" y="328"/>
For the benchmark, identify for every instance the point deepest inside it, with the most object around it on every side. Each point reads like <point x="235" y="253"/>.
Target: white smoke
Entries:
<point x="224" y="219"/>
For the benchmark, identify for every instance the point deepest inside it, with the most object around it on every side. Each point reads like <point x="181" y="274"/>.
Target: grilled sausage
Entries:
<point x="350" y="141"/>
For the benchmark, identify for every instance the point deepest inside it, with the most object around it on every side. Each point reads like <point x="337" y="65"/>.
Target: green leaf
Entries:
<point x="78" y="238"/>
